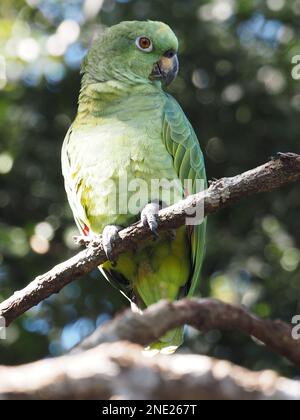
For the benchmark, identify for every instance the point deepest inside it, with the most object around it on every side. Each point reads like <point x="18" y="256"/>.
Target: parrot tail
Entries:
<point x="167" y="344"/>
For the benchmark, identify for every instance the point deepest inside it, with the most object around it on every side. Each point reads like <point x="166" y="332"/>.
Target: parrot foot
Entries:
<point x="110" y="237"/>
<point x="149" y="217"/>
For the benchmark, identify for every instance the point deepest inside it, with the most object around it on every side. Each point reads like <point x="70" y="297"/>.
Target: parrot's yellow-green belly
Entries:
<point x="115" y="153"/>
<point x="158" y="270"/>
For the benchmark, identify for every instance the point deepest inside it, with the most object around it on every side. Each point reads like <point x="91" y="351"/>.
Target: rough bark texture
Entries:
<point x="274" y="174"/>
<point x="202" y="314"/>
<point x="121" y="371"/>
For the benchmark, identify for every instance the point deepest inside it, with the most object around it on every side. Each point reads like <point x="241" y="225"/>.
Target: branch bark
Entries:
<point x="120" y="371"/>
<point x="278" y="172"/>
<point x="202" y="314"/>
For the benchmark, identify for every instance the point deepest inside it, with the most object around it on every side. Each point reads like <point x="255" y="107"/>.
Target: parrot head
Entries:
<point x="133" y="52"/>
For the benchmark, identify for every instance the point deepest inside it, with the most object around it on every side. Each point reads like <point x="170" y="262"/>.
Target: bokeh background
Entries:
<point x="235" y="85"/>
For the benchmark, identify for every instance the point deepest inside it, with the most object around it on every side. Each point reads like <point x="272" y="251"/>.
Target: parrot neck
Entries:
<point x="98" y="99"/>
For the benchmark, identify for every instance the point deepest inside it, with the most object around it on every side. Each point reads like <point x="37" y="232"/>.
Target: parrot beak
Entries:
<point x="166" y="69"/>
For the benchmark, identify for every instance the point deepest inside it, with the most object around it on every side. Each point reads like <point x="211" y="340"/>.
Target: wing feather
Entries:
<point x="182" y="143"/>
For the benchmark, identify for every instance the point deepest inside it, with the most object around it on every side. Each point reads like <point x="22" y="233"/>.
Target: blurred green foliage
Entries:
<point x="236" y="87"/>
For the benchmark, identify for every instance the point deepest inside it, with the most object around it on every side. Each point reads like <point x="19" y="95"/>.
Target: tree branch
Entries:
<point x="120" y="371"/>
<point x="278" y="172"/>
<point x="202" y="314"/>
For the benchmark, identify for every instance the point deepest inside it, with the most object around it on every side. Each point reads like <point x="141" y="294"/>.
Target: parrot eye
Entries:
<point x="144" y="44"/>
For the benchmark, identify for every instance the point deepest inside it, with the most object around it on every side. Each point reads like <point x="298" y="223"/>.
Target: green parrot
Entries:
<point x="128" y="128"/>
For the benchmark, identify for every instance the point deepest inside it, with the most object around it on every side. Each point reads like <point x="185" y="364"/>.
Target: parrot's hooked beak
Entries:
<point x="166" y="69"/>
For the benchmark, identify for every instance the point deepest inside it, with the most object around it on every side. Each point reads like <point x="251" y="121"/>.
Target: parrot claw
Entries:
<point x="110" y="237"/>
<point x="149" y="217"/>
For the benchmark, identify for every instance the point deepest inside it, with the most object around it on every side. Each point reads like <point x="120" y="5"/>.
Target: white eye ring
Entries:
<point x="139" y="43"/>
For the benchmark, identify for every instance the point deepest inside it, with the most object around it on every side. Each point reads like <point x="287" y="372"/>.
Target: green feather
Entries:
<point x="189" y="164"/>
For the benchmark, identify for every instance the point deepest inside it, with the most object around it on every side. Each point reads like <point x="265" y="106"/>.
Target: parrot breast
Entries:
<point x="115" y="162"/>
